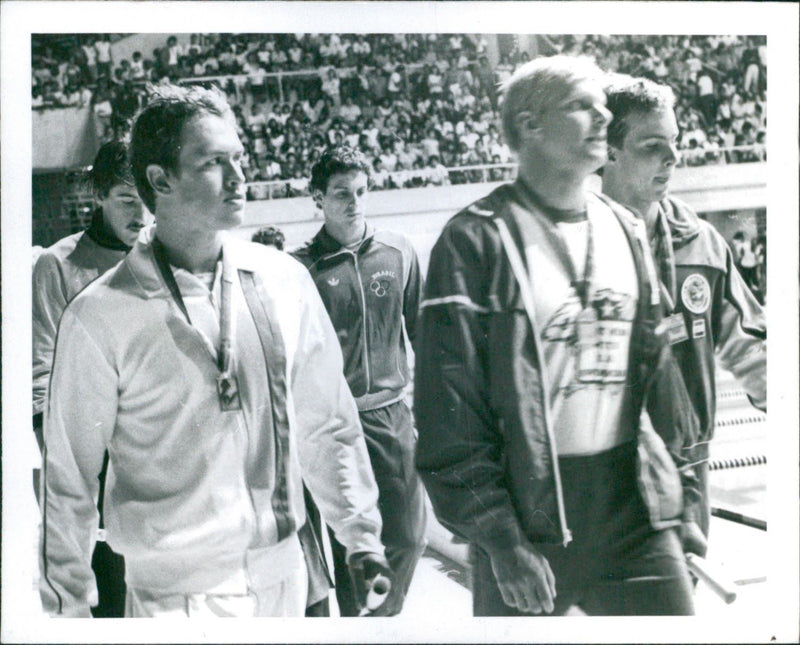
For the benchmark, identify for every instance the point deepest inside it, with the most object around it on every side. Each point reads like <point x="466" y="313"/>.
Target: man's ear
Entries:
<point x="612" y="153"/>
<point x="526" y="123"/>
<point x="316" y="195"/>
<point x="158" y="179"/>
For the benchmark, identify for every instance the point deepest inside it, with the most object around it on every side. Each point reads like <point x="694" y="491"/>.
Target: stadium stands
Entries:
<point x="422" y="106"/>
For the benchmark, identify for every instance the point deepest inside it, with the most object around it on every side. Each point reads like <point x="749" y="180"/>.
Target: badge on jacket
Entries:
<point x="676" y="329"/>
<point x="696" y="293"/>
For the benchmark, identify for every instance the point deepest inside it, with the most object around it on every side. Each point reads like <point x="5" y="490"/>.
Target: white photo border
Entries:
<point x="778" y="21"/>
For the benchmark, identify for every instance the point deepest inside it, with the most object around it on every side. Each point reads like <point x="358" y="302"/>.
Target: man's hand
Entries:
<point x="365" y="569"/>
<point x="525" y="579"/>
<point x="692" y="539"/>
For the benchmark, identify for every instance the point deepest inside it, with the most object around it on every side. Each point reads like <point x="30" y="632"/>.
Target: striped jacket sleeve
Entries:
<point x="333" y="452"/>
<point x="460" y="447"/>
<point x="741" y="336"/>
<point x="79" y="418"/>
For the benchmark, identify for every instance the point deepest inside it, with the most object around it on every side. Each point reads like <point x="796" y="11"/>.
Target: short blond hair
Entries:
<point x="540" y="83"/>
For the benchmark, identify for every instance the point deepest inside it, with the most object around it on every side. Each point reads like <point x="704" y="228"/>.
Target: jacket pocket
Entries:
<point x="659" y="480"/>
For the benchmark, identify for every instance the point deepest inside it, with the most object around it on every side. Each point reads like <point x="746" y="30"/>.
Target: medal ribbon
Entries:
<point x="553" y="216"/>
<point x="582" y="285"/>
<point x="264" y="314"/>
<point x="160" y="254"/>
<point x="226" y="308"/>
<point x="226" y="319"/>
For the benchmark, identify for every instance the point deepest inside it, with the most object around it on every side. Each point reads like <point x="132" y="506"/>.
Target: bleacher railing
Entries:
<point x="483" y="173"/>
<point x="263" y="77"/>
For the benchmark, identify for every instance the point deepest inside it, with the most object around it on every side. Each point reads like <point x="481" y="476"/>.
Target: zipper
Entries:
<point x="521" y="275"/>
<point x="650" y="268"/>
<point x="548" y="424"/>
<point x="363" y="320"/>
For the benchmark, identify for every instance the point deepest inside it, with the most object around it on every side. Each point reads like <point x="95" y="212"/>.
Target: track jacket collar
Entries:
<point x="142" y="263"/>
<point x="102" y="234"/>
<point x="683" y="223"/>
<point x="525" y="195"/>
<point x="324" y="244"/>
<point x="521" y="204"/>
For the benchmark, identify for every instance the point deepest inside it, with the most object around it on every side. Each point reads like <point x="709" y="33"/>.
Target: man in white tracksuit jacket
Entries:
<point x="60" y="273"/>
<point x="209" y="370"/>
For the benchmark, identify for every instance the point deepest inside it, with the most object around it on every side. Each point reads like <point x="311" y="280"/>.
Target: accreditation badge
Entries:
<point x="586" y="328"/>
<point x="607" y="360"/>
<point x="594" y="361"/>
<point x="676" y="328"/>
<point x="228" y="391"/>
<point x="603" y="333"/>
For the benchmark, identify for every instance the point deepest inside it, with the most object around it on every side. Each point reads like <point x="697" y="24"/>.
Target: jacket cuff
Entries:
<point x="691" y="496"/>
<point x="500" y="536"/>
<point x="365" y="543"/>
<point x="690" y="513"/>
<point x="759" y="405"/>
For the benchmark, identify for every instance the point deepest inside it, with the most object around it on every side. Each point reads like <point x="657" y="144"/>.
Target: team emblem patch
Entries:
<point x="381" y="282"/>
<point x="696" y="293"/>
<point x="379" y="287"/>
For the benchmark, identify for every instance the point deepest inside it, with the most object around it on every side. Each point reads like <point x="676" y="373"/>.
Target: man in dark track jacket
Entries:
<point x="710" y="310"/>
<point x="539" y="345"/>
<point x="370" y="283"/>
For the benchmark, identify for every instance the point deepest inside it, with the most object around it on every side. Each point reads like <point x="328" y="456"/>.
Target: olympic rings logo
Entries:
<point x="379" y="287"/>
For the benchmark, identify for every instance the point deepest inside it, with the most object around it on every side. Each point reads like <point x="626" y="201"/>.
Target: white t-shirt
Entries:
<point x="350" y="112"/>
<point x="588" y="376"/>
<point x="295" y="54"/>
<point x="389" y="160"/>
<point x="90" y="53"/>
<point x="470" y="138"/>
<point x="175" y="52"/>
<point x="705" y="85"/>
<point x="394" y="82"/>
<point x="330" y="86"/>
<point x="137" y="68"/>
<point x="103" y="49"/>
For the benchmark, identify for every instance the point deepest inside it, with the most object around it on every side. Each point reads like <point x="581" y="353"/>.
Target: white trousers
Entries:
<point x="284" y="597"/>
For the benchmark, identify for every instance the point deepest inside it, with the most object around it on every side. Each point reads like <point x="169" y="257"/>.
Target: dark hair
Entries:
<point x="269" y="236"/>
<point x="626" y="95"/>
<point x="156" y="133"/>
<point x="337" y="160"/>
<point x="111" y="167"/>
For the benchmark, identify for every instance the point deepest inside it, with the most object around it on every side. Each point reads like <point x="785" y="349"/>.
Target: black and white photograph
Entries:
<point x="448" y="315"/>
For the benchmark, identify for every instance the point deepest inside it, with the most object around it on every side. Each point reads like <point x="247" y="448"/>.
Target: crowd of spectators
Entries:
<point x="417" y="104"/>
<point x="720" y="83"/>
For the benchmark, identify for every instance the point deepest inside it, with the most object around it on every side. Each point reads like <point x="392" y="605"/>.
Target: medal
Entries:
<point x="228" y="392"/>
<point x="227" y="383"/>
